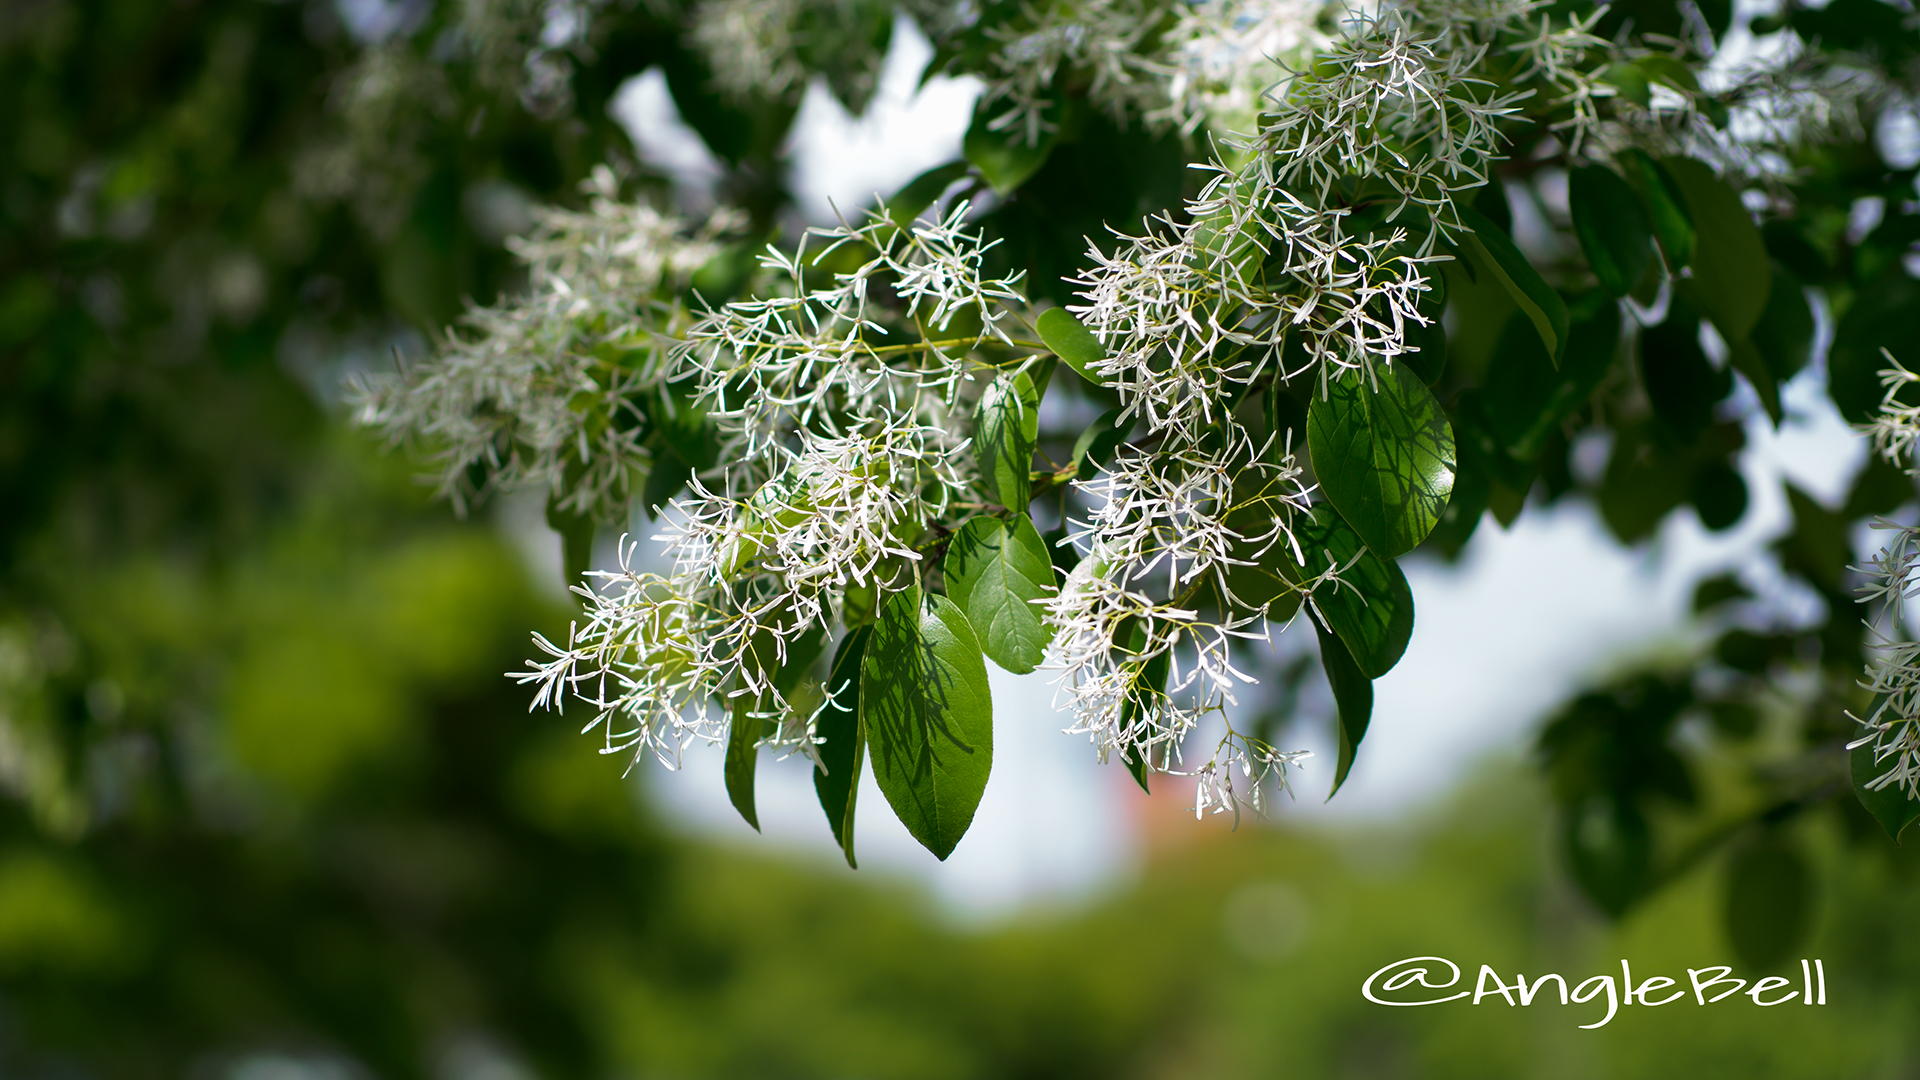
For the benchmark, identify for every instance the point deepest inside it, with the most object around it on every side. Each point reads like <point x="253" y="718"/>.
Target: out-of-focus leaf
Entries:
<point x="1612" y="228"/>
<point x="1666" y="205"/>
<point x="1497" y="255"/>
<point x="1731" y="273"/>
<point x="912" y="201"/>
<point x="1004" y="157"/>
<point x="1884" y="315"/>
<point x="1769" y="900"/>
<point x="1095" y="446"/>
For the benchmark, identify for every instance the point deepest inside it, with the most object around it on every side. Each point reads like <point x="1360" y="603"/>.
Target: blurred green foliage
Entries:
<point x="267" y="797"/>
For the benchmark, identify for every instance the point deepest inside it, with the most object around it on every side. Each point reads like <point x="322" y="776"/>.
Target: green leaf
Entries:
<point x="1885" y="314"/>
<point x="1004" y="157"/>
<point x="1890" y="805"/>
<point x="1666" y="206"/>
<point x="843" y="747"/>
<point x="1385" y="457"/>
<point x="994" y="573"/>
<point x="1095" y="446"/>
<point x="1071" y="341"/>
<point x="928" y="716"/>
<point x="576" y="540"/>
<point x="743" y="737"/>
<point x="1352" y="698"/>
<point x="1784" y="335"/>
<point x="1495" y="252"/>
<point x="1769" y="900"/>
<point x="1146" y="683"/>
<point x="1731" y="272"/>
<point x="1005" y="427"/>
<point x="911" y="201"/>
<point x="1613" y="230"/>
<point x="1670" y="71"/>
<point x="1372" y="607"/>
<point x="1630" y="81"/>
<point x="802" y="651"/>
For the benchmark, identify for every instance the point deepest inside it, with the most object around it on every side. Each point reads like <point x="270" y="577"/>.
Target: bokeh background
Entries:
<point x="269" y="809"/>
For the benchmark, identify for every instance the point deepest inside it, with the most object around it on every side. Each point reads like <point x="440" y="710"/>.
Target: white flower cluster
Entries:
<point x="749" y="46"/>
<point x="1193" y="314"/>
<point x="1893" y="673"/>
<point x="545" y="391"/>
<point x="835" y="409"/>
<point x="1215" y="59"/>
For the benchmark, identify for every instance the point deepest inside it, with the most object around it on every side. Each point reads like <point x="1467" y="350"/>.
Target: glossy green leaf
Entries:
<point x="928" y="716"/>
<point x="1666" y="206"/>
<point x="1384" y="456"/>
<point x="1071" y="341"/>
<point x="995" y="572"/>
<point x="1613" y="230"/>
<point x="743" y="755"/>
<point x="1496" y="254"/>
<point x="1005" y="426"/>
<point x="1731" y="272"/>
<point x="1094" y="449"/>
<point x="1146" y="683"/>
<point x="1890" y="806"/>
<point x="1769" y="900"/>
<point x="1352" y="699"/>
<point x="1371" y="609"/>
<point x="1004" y="157"/>
<point x="1674" y="73"/>
<point x="843" y="746"/>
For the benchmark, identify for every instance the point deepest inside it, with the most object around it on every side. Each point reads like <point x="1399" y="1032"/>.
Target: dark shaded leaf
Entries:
<point x="1731" y="273"/>
<point x="1769" y="900"/>
<point x="1890" y="806"/>
<point x="1884" y="314"/>
<point x="1372" y="608"/>
<point x="843" y="746"/>
<point x="743" y="755"/>
<point x="1095" y="446"/>
<point x="1613" y="230"/>
<point x="1666" y="206"/>
<point x="1495" y="252"/>
<point x="1352" y="698"/>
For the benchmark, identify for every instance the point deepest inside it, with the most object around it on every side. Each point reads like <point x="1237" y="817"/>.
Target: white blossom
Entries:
<point x="1893" y="671"/>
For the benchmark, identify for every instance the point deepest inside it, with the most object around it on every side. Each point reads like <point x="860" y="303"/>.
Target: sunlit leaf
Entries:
<point x="994" y="572"/>
<point x="927" y="715"/>
<point x="1384" y="456"/>
<point x="1071" y="341"/>
<point x="1005" y="427"/>
<point x="1004" y="157"/>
